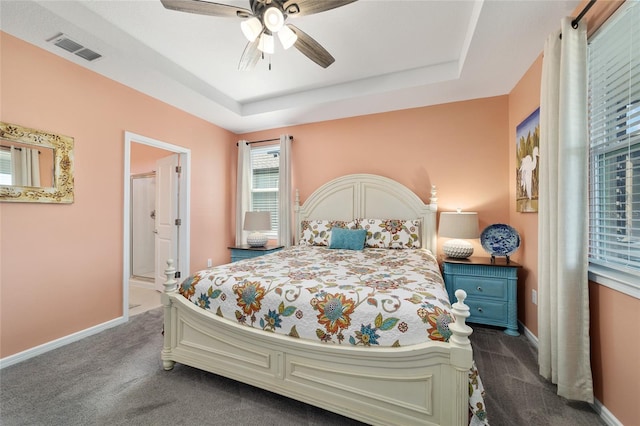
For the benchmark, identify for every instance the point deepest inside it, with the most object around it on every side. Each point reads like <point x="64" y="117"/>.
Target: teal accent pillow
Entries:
<point x="350" y="239"/>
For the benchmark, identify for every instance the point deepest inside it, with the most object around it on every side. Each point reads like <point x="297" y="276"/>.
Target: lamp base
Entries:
<point x="458" y="249"/>
<point x="257" y="239"/>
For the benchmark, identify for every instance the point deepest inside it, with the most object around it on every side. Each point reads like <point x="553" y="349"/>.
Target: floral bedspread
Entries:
<point x="371" y="297"/>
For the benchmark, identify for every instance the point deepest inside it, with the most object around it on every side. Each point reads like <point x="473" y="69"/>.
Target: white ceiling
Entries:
<point x="390" y="54"/>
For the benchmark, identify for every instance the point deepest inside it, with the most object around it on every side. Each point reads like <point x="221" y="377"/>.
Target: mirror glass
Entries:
<point x="35" y="166"/>
<point x="19" y="168"/>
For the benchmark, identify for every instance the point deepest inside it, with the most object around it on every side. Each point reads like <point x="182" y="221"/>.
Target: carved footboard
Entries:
<point x="421" y="384"/>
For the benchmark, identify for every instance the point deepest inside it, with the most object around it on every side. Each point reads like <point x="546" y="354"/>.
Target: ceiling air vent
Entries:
<point x="63" y="41"/>
<point x="88" y="54"/>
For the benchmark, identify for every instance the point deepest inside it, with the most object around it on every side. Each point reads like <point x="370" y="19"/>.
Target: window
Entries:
<point x="5" y="167"/>
<point x="614" y="133"/>
<point x="265" y="169"/>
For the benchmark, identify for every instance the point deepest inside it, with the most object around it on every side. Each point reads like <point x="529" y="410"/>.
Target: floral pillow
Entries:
<point x="391" y="233"/>
<point x="318" y="232"/>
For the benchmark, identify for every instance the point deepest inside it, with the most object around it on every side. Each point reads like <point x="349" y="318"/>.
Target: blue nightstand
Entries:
<point x="248" y="252"/>
<point x="491" y="287"/>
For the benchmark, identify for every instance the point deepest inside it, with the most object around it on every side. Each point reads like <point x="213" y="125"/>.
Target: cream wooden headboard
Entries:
<point x="369" y="196"/>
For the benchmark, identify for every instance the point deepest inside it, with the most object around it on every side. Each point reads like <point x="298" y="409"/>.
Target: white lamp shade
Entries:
<point x="251" y="28"/>
<point x="266" y="44"/>
<point x="273" y="19"/>
<point x="460" y="226"/>
<point x="287" y="37"/>
<point x="257" y="221"/>
<point x="463" y="225"/>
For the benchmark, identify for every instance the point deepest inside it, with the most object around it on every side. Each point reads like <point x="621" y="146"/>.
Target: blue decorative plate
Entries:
<point x="500" y="240"/>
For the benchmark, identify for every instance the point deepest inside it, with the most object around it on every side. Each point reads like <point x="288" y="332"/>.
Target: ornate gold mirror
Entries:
<point x="35" y="166"/>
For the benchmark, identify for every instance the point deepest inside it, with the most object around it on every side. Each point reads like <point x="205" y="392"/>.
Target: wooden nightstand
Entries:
<point x="248" y="252"/>
<point x="491" y="289"/>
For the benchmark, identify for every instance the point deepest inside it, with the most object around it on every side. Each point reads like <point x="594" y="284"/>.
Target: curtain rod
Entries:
<point x="266" y="140"/>
<point x="574" y="23"/>
<point x="6" y="148"/>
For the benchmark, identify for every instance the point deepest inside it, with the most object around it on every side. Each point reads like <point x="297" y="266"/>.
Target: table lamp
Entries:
<point x="459" y="226"/>
<point x="256" y="222"/>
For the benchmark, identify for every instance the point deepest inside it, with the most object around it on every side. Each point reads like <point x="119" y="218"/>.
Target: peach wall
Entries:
<point x="614" y="351"/>
<point x="46" y="167"/>
<point x="61" y="266"/>
<point x="523" y="100"/>
<point x="459" y="147"/>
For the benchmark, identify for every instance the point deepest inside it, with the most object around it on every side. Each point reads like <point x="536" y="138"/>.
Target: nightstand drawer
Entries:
<point x="485" y="287"/>
<point x="487" y="312"/>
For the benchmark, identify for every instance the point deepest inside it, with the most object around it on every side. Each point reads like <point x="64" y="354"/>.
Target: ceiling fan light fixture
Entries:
<point x="262" y="21"/>
<point x="251" y="28"/>
<point x="287" y="37"/>
<point x="266" y="44"/>
<point x="273" y="19"/>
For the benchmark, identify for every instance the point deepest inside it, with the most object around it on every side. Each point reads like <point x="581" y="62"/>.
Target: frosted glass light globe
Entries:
<point x="273" y="19"/>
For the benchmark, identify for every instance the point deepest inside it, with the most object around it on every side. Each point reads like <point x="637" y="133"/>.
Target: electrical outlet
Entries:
<point x="209" y="263"/>
<point x="534" y="296"/>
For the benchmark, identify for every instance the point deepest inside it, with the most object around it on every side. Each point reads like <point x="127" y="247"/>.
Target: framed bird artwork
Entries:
<point x="527" y="156"/>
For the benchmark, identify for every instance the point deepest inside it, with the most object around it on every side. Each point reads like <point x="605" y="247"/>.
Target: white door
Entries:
<point x="167" y="218"/>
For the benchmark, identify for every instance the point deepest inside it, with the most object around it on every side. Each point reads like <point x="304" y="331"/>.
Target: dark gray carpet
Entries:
<point x="515" y="393"/>
<point x="90" y="383"/>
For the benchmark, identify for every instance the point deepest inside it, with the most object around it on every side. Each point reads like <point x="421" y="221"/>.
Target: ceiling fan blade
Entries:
<point x="308" y="7"/>
<point x="250" y="56"/>
<point x="311" y="48"/>
<point x="202" y="7"/>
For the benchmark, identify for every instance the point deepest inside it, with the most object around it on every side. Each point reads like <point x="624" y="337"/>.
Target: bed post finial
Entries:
<point x="170" y="272"/>
<point x="434" y="198"/>
<point x="296" y="218"/>
<point x="459" y="329"/>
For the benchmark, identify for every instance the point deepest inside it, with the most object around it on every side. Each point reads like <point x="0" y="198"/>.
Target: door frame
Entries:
<point x="184" y="204"/>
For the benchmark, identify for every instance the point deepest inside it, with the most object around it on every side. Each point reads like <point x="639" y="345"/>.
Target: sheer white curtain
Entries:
<point x="563" y="305"/>
<point x="25" y="167"/>
<point x="284" y="190"/>
<point x="243" y="189"/>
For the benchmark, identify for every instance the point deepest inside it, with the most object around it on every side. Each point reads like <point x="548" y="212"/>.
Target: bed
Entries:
<point x="287" y="322"/>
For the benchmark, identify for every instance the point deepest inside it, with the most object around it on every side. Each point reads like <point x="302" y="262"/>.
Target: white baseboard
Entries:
<point x="54" y="344"/>
<point x="597" y="406"/>
<point x="605" y="414"/>
<point x="529" y="335"/>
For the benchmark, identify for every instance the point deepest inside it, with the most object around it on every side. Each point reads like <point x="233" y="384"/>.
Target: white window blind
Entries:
<point x="614" y="132"/>
<point x="5" y="166"/>
<point x="265" y="166"/>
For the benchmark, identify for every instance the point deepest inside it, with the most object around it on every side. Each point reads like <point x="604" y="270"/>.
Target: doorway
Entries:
<point x="143" y="214"/>
<point x="137" y="171"/>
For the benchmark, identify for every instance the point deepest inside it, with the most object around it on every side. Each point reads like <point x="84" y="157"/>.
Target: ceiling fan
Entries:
<point x="265" y="19"/>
